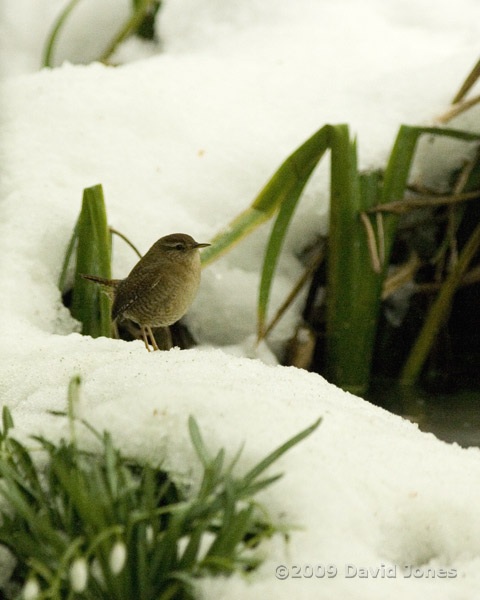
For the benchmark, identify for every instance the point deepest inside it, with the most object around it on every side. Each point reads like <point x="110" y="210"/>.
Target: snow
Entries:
<point x="183" y="140"/>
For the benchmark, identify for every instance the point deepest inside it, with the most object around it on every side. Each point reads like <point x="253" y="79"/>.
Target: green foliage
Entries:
<point x="107" y="527"/>
<point x="357" y="271"/>
<point x="358" y="251"/>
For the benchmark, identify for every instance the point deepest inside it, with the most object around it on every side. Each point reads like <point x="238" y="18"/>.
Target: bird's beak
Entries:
<point x="201" y="245"/>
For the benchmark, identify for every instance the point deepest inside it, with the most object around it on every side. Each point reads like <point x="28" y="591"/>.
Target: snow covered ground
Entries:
<point x="182" y="141"/>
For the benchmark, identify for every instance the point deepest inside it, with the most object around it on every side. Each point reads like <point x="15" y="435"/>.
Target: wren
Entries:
<point x="160" y="288"/>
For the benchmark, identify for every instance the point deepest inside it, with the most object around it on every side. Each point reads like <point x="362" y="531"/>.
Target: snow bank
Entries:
<point x="368" y="490"/>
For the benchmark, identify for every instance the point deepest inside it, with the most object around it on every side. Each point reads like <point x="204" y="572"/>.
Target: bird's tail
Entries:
<point x="109" y="284"/>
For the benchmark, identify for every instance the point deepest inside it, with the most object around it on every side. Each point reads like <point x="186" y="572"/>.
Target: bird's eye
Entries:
<point x="179" y="247"/>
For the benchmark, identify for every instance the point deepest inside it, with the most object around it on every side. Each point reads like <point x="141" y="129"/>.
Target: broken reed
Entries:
<point x="91" y="243"/>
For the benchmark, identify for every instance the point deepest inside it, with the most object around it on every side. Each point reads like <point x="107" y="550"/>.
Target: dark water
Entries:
<point x="450" y="417"/>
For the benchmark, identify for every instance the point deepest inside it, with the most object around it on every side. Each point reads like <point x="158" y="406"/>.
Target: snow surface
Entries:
<point x="183" y="141"/>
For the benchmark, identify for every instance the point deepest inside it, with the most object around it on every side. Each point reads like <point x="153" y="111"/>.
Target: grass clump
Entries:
<point x="101" y="526"/>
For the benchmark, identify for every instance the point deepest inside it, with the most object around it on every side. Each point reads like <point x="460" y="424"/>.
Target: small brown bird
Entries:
<point x="161" y="286"/>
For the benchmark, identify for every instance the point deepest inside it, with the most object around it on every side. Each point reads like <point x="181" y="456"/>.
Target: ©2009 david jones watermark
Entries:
<point x="351" y="571"/>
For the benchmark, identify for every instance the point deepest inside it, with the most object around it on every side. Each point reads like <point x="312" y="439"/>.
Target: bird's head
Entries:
<point x="178" y="247"/>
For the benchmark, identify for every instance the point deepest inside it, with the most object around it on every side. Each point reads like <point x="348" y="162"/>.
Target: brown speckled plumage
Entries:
<point x="161" y="286"/>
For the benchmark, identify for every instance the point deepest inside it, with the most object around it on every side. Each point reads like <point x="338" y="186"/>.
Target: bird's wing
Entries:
<point x="133" y="288"/>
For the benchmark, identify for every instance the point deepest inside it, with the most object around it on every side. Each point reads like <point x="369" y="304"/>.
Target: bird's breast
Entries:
<point x="167" y="300"/>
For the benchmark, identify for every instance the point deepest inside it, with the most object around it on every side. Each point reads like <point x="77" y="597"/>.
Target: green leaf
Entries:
<point x="288" y="183"/>
<point x="283" y="184"/>
<point x="7" y="421"/>
<point x="197" y="441"/>
<point x="399" y="166"/>
<point x="189" y="556"/>
<point x="111" y="467"/>
<point x="231" y="535"/>
<point x="275" y="455"/>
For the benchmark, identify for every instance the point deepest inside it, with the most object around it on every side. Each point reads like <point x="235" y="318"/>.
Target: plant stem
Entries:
<point x="468" y="83"/>
<point x="439" y="312"/>
<point x="409" y="204"/>
<point x="130" y="26"/>
<point x="52" y="38"/>
<point x="125" y="239"/>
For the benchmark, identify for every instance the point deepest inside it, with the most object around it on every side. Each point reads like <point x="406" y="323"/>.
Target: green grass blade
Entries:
<point x="198" y="442"/>
<point x="7" y="421"/>
<point x="25" y="467"/>
<point x="272" y="457"/>
<point x="233" y="530"/>
<point x="111" y="466"/>
<point x="74" y="483"/>
<point x="274" y="247"/>
<point x="73" y="396"/>
<point x="89" y="305"/>
<point x="280" y="187"/>
<point x="396" y="178"/>
<point x="212" y="475"/>
<point x="260" y="484"/>
<point x="190" y="555"/>
<point x="308" y="155"/>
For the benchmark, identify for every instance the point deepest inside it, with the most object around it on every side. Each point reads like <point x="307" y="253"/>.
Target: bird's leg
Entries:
<point x="152" y="337"/>
<point x="169" y="342"/>
<point x="144" y="337"/>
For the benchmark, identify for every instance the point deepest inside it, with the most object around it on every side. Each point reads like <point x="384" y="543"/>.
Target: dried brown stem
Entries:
<point x="473" y="276"/>
<point x="457" y="109"/>
<point x="402" y="275"/>
<point x="125" y="239"/>
<point x="468" y="83"/>
<point x="372" y="243"/>
<point x="295" y="290"/>
<point x="403" y="206"/>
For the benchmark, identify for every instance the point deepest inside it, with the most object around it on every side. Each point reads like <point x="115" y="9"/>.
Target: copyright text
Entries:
<point x="351" y="571"/>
